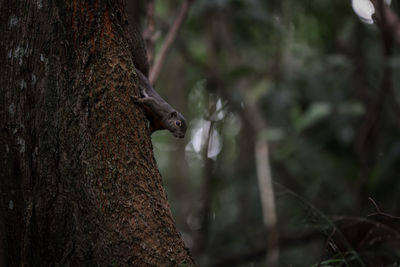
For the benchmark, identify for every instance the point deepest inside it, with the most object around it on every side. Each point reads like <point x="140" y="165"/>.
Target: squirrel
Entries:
<point x="160" y="114"/>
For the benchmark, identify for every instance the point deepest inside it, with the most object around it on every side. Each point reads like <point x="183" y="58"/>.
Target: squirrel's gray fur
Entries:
<point x="160" y="114"/>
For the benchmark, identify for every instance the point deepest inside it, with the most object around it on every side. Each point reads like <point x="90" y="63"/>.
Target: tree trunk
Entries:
<point x="78" y="181"/>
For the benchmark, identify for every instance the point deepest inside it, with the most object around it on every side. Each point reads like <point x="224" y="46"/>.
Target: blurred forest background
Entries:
<point x="321" y="88"/>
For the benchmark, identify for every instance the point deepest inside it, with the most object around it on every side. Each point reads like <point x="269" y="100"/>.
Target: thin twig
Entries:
<point x="379" y="212"/>
<point x="384" y="214"/>
<point x="258" y="251"/>
<point x="375" y="223"/>
<point x="328" y="239"/>
<point x="156" y="69"/>
<point x="149" y="33"/>
<point x="374" y="203"/>
<point x="325" y="218"/>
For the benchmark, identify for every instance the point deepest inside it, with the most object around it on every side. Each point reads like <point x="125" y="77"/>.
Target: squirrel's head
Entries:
<point x="177" y="124"/>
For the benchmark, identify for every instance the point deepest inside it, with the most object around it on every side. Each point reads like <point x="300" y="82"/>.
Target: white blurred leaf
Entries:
<point x="201" y="136"/>
<point x="365" y="9"/>
<point x="219" y="113"/>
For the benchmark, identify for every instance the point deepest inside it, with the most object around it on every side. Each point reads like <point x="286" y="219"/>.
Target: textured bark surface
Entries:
<point x="78" y="181"/>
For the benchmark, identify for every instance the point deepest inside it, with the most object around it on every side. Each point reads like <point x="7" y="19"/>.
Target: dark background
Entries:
<point x="330" y="98"/>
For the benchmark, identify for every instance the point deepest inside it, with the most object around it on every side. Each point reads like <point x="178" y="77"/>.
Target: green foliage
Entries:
<point x="317" y="74"/>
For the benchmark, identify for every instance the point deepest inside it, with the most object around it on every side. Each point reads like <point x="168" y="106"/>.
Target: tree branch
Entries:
<point x="251" y="116"/>
<point x="149" y="33"/>
<point x="387" y="20"/>
<point x="265" y="185"/>
<point x="156" y="69"/>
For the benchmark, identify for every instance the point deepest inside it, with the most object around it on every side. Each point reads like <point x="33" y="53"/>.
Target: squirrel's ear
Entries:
<point x="173" y="114"/>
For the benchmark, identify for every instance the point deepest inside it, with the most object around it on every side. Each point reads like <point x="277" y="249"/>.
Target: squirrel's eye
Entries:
<point x="178" y="123"/>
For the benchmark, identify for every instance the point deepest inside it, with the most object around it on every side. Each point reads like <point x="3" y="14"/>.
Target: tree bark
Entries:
<point x="78" y="181"/>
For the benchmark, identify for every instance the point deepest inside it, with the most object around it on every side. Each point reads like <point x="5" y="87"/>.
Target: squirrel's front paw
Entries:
<point x="135" y="99"/>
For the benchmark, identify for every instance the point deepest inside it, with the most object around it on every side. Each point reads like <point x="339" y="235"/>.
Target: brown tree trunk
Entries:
<point x="78" y="181"/>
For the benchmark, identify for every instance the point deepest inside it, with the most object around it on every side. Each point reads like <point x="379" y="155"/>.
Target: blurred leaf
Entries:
<point x="198" y="50"/>
<point x="273" y="134"/>
<point x="233" y="124"/>
<point x="352" y="109"/>
<point x="312" y="66"/>
<point x="260" y="89"/>
<point x="316" y="112"/>
<point x="196" y="98"/>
